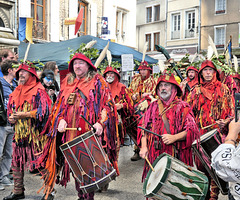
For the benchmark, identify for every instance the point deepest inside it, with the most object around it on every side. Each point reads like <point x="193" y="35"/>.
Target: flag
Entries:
<point x="79" y="20"/>
<point x="230" y="48"/>
<point x="25" y="29"/>
<point x="228" y="52"/>
<point x="105" y="25"/>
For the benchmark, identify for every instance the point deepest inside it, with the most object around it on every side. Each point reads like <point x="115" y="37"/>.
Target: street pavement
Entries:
<point x="127" y="186"/>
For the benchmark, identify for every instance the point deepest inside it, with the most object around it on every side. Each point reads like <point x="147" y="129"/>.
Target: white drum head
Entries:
<point x="206" y="136"/>
<point x="155" y="177"/>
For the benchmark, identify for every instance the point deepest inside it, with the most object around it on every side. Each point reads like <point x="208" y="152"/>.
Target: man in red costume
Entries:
<point x="28" y="109"/>
<point x="83" y="92"/>
<point x="236" y="78"/>
<point x="192" y="81"/>
<point x="228" y="81"/>
<point x="212" y="105"/>
<point x="171" y="118"/>
<point x="141" y="89"/>
<point x="122" y="101"/>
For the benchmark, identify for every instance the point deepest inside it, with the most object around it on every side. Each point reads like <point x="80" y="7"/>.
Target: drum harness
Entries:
<point x="166" y="125"/>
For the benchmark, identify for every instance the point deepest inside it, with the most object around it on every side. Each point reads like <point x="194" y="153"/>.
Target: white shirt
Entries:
<point x="226" y="162"/>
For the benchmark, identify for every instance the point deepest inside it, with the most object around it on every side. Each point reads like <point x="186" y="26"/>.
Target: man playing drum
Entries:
<point x="142" y="86"/>
<point x="212" y="105"/>
<point x="86" y="93"/>
<point x="28" y="109"/>
<point x="172" y="120"/>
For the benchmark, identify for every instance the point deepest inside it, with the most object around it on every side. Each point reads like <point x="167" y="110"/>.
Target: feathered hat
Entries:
<point x="144" y="64"/>
<point x="109" y="68"/>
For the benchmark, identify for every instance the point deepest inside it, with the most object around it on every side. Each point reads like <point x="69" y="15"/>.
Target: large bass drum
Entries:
<point x="173" y="179"/>
<point x="89" y="162"/>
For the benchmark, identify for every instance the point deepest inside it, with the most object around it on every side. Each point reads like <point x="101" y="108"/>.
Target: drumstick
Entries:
<point x="94" y="130"/>
<point x="149" y="164"/>
<point x="216" y="123"/>
<point x="73" y="129"/>
<point x="149" y="131"/>
<point x="209" y="126"/>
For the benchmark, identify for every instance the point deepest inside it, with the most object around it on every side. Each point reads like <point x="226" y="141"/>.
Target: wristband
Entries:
<point x="231" y="141"/>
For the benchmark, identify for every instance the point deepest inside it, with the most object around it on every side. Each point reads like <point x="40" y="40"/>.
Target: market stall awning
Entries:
<point x="59" y="51"/>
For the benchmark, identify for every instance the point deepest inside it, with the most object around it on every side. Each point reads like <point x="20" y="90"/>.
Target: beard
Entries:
<point x="22" y="80"/>
<point x="110" y="79"/>
<point x="165" y="95"/>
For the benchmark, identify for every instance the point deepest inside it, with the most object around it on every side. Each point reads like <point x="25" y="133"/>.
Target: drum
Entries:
<point x="89" y="162"/>
<point x="173" y="179"/>
<point x="208" y="143"/>
<point x="133" y="121"/>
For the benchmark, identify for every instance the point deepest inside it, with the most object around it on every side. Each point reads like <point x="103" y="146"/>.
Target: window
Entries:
<point x="220" y="6"/>
<point x="219" y="37"/>
<point x="153" y="13"/>
<point x="38" y="15"/>
<point x="149" y="14"/>
<point x="156" y="39"/>
<point x="190" y="24"/>
<point x="176" y="26"/>
<point x="148" y="39"/>
<point x="83" y="28"/>
<point x="157" y="13"/>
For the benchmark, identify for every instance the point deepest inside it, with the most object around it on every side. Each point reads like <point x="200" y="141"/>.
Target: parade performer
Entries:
<point x="212" y="105"/>
<point x="83" y="92"/>
<point x="28" y="109"/>
<point x="142" y="86"/>
<point x="236" y="78"/>
<point x="228" y="81"/>
<point x="171" y="118"/>
<point x="122" y="101"/>
<point x="191" y="80"/>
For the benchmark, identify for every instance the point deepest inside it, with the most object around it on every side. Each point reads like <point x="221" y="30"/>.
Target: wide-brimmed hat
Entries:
<point x="81" y="57"/>
<point x="27" y="67"/>
<point x="110" y="69"/>
<point x="208" y="63"/>
<point x="169" y="78"/>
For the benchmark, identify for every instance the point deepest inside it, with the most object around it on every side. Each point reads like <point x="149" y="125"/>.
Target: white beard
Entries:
<point x="110" y="79"/>
<point x="165" y="95"/>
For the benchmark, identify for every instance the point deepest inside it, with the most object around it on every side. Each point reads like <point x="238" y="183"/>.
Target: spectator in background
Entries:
<point x="6" y="132"/>
<point x="7" y="54"/>
<point x="52" y="65"/>
<point x="226" y="159"/>
<point x="47" y="79"/>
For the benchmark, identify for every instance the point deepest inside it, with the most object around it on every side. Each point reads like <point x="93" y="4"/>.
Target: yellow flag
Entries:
<point x="29" y="28"/>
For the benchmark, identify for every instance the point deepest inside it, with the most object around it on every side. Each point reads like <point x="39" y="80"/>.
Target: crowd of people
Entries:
<point x="159" y="114"/>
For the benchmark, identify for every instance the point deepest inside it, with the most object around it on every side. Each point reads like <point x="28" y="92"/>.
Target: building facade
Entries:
<point x="173" y="24"/>
<point x="221" y="19"/>
<point x="8" y="25"/>
<point x="151" y="25"/>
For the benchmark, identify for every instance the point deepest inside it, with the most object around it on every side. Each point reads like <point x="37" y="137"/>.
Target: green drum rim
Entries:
<point x="163" y="179"/>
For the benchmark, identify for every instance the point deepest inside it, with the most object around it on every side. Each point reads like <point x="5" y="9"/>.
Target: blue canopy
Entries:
<point x="59" y="51"/>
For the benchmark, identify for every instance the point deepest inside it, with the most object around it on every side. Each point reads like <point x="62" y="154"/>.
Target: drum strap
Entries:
<point x="164" y="118"/>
